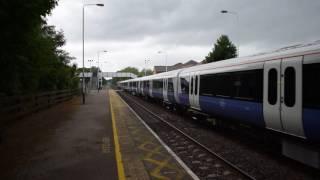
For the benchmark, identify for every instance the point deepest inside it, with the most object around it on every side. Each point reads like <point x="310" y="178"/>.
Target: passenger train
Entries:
<point x="279" y="91"/>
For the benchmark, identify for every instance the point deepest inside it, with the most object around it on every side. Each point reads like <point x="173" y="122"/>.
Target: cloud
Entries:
<point x="133" y="30"/>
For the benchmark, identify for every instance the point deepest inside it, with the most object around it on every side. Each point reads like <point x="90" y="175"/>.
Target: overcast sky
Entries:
<point x="135" y="30"/>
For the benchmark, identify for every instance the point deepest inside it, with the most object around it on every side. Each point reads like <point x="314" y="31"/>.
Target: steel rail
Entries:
<point x="192" y="139"/>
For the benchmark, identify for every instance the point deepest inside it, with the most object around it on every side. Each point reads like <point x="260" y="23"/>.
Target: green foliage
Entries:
<point x="31" y="58"/>
<point x="127" y="69"/>
<point x="148" y="72"/>
<point x="79" y="70"/>
<point x="132" y="70"/>
<point x="223" y="49"/>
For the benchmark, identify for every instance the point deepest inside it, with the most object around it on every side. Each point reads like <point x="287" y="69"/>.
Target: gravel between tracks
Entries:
<point x="241" y="151"/>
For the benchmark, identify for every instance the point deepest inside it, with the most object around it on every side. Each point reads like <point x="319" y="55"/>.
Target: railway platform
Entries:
<point x="103" y="139"/>
<point x="143" y="156"/>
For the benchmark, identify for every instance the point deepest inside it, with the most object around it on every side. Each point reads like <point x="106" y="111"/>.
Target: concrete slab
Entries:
<point x="142" y="155"/>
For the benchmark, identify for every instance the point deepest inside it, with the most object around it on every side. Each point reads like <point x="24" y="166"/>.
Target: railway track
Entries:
<point x="205" y="163"/>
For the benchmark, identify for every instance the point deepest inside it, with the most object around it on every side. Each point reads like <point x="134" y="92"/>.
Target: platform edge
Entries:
<point x="182" y="164"/>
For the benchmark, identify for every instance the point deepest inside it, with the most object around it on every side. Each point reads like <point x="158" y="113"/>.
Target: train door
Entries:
<point x="191" y="89"/>
<point x="194" y="91"/>
<point x="150" y="86"/>
<point x="176" y="83"/>
<point x="142" y="87"/>
<point x="291" y="114"/>
<point x="165" y="89"/>
<point x="282" y="98"/>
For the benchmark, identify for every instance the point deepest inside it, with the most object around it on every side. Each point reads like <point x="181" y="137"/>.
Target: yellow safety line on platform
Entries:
<point x="121" y="174"/>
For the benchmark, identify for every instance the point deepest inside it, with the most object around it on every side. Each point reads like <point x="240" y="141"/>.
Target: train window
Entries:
<point x="154" y="84"/>
<point x="191" y="92"/>
<point x="160" y="83"/>
<point x="157" y="84"/>
<point x="311" y="88"/>
<point x="145" y="84"/>
<point x="247" y="85"/>
<point x="223" y="85"/>
<point x="184" y="85"/>
<point x="196" y="86"/>
<point x="170" y="85"/>
<point x="242" y="85"/>
<point x="166" y="84"/>
<point x="206" y="85"/>
<point x="289" y="86"/>
<point x="273" y="86"/>
<point x="216" y="85"/>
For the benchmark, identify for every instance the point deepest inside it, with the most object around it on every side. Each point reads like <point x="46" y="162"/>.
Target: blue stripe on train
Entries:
<point x="311" y="124"/>
<point x="157" y="94"/>
<point x="184" y="99"/>
<point x="245" y="111"/>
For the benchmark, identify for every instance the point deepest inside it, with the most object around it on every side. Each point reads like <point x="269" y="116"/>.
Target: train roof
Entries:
<point x="168" y="74"/>
<point x="289" y="51"/>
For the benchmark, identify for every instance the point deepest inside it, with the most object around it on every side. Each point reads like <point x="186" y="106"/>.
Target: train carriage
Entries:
<point x="278" y="90"/>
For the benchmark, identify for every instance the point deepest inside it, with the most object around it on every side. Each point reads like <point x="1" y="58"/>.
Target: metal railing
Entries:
<point x="15" y="107"/>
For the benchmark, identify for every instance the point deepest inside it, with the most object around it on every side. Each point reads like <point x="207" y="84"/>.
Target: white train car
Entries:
<point x="278" y="91"/>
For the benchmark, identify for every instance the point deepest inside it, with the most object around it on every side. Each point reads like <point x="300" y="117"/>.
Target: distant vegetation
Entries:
<point x="132" y="70"/>
<point x="136" y="71"/>
<point x="223" y="49"/>
<point x="31" y="58"/>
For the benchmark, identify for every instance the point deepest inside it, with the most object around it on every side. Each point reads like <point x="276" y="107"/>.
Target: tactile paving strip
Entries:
<point x="143" y="156"/>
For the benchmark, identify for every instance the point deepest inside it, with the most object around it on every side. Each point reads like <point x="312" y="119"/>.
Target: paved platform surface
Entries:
<point x="102" y="139"/>
<point x="67" y="141"/>
<point x="142" y="154"/>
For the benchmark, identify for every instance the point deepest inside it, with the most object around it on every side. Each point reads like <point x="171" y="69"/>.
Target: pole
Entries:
<point x="83" y="78"/>
<point x="166" y="62"/>
<point x="145" y="67"/>
<point x="98" y="71"/>
<point x="237" y="24"/>
<point x="90" y="60"/>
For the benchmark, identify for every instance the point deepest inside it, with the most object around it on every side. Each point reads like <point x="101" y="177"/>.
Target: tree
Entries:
<point x="223" y="49"/>
<point x="31" y="58"/>
<point x="148" y="72"/>
<point x="132" y="70"/>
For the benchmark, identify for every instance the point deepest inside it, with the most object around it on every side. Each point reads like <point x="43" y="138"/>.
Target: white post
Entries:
<point x="83" y="78"/>
<point x="166" y="62"/>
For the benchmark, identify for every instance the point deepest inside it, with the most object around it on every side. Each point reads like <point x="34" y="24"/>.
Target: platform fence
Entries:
<point x="15" y="107"/>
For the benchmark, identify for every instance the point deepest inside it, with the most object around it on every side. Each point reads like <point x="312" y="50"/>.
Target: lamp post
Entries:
<point x="90" y="60"/>
<point x="237" y="17"/>
<point x="99" y="65"/>
<point x="145" y="68"/>
<point x="83" y="81"/>
<point x="166" y="58"/>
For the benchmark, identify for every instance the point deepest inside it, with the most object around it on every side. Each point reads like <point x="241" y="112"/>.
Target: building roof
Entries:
<point x="160" y="69"/>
